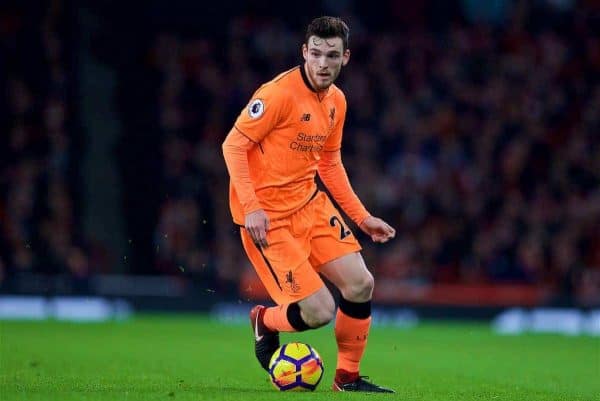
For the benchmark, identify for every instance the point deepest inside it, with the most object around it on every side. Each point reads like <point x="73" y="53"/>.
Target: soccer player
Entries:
<point x="290" y="130"/>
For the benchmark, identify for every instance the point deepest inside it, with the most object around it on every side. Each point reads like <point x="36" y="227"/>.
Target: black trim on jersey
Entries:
<point x="243" y="133"/>
<point x="305" y="79"/>
<point x="250" y="139"/>
<point x="309" y="199"/>
<point x="265" y="259"/>
<point x="269" y="266"/>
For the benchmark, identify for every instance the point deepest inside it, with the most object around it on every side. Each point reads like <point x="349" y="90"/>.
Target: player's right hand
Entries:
<point x="257" y="224"/>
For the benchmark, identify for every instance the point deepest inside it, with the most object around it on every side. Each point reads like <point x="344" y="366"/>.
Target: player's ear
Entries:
<point x="304" y="51"/>
<point x="346" y="57"/>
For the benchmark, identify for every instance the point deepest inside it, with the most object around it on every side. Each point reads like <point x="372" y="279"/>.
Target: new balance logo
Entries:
<point x="305" y="117"/>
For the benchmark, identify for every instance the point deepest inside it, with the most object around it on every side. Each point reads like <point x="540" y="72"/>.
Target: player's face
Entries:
<point x="324" y="60"/>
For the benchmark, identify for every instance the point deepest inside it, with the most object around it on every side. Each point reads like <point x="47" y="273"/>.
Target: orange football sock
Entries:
<point x="275" y="318"/>
<point x="351" y="335"/>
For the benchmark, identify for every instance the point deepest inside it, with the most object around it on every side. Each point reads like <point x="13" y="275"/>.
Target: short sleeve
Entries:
<point x="334" y="141"/>
<point x="262" y="113"/>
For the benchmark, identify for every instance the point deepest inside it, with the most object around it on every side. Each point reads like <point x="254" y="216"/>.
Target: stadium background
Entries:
<point x="472" y="128"/>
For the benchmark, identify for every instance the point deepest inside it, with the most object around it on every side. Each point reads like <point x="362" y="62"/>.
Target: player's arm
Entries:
<point x="257" y="120"/>
<point x="334" y="176"/>
<point x="235" y="152"/>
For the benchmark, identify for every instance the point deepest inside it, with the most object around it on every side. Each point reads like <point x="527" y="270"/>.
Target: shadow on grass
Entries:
<point x="234" y="389"/>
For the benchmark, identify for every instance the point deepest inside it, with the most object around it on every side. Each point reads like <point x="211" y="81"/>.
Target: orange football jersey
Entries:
<point x="290" y="124"/>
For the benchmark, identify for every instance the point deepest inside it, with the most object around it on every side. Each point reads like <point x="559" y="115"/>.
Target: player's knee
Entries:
<point x="361" y="290"/>
<point x="323" y="315"/>
<point x="319" y="313"/>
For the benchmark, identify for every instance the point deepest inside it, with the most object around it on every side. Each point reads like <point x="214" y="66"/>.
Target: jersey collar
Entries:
<point x="320" y="96"/>
<point x="305" y="78"/>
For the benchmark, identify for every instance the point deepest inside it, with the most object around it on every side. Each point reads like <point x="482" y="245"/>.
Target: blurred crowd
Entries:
<point x="478" y="143"/>
<point x="477" y="139"/>
<point x="38" y="221"/>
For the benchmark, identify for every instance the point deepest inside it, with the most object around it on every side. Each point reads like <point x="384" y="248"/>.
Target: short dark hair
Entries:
<point x="328" y="27"/>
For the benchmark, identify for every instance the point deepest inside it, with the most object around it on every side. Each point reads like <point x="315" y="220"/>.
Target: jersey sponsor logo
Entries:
<point x="256" y="108"/>
<point x="308" y="142"/>
<point x="305" y="117"/>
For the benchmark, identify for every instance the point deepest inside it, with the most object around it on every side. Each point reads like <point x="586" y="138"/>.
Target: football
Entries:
<point x="296" y="366"/>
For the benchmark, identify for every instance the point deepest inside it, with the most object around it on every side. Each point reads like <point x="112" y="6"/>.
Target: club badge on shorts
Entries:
<point x="290" y="281"/>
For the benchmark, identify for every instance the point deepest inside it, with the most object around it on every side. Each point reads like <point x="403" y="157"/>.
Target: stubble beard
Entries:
<point x="317" y="80"/>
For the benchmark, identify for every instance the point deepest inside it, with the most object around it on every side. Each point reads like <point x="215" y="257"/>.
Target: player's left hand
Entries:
<point x="377" y="229"/>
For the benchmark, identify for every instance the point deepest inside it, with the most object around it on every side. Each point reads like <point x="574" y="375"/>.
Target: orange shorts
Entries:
<point x="298" y="245"/>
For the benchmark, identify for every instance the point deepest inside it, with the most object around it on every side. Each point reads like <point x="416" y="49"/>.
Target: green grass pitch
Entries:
<point x="194" y="358"/>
